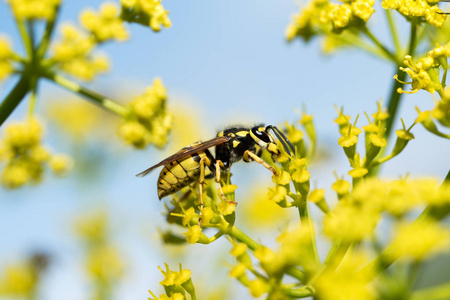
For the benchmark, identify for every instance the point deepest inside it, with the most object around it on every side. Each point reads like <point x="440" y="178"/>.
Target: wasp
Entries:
<point x="195" y="162"/>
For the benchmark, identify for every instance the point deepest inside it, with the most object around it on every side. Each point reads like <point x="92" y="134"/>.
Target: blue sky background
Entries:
<point x="227" y="62"/>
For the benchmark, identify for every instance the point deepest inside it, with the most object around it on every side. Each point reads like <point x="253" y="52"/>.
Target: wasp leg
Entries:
<point x="201" y="182"/>
<point x="259" y="160"/>
<point x="221" y="194"/>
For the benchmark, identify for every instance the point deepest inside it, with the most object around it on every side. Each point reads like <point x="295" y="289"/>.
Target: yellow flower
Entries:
<point x="105" y="263"/>
<point x="226" y="207"/>
<point x="347" y="282"/>
<point x="14" y="176"/>
<point x="238" y="270"/>
<point x="6" y="67"/>
<point x="151" y="10"/>
<point x="61" y="164"/>
<point x="34" y="9"/>
<point x="93" y="227"/>
<point x="106" y="25"/>
<point x="258" y="287"/>
<point x="341" y="186"/>
<point x="420" y="241"/>
<point x="24" y="155"/>
<point x="193" y="234"/>
<point x="148" y="121"/>
<point x="18" y="280"/>
<point x="173" y="277"/>
<point x="363" y="9"/>
<point x="73" y="54"/>
<point x="238" y="249"/>
<point x="350" y="223"/>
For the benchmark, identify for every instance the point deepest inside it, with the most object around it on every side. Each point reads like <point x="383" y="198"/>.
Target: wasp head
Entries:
<point x="263" y="137"/>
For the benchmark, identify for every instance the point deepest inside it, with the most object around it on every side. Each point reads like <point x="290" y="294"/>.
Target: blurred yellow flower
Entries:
<point x="420" y="241"/>
<point x="24" y="156"/>
<point x="104" y="263"/>
<point x="73" y="54"/>
<point x="6" y="67"/>
<point x="34" y="9"/>
<point x="18" y="280"/>
<point x="105" y="25"/>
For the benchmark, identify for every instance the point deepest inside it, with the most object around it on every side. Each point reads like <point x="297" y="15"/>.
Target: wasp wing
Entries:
<point x="187" y="151"/>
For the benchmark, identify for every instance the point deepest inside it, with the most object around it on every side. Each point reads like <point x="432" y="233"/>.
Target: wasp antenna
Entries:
<point x="284" y="140"/>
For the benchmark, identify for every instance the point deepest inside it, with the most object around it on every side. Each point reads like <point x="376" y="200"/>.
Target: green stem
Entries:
<point x="441" y="292"/>
<point x="26" y="40"/>
<point x="393" y="30"/>
<point x="13" y="99"/>
<point x="49" y="29"/>
<point x="252" y="245"/>
<point x="301" y="292"/>
<point x="306" y="222"/>
<point x="386" y="52"/>
<point x="358" y="43"/>
<point x="96" y="98"/>
<point x="394" y="99"/>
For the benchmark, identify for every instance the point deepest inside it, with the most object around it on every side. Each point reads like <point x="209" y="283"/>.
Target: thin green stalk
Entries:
<point x="301" y="292"/>
<point x="14" y="97"/>
<point x="393" y="30"/>
<point x="441" y="292"/>
<point x="26" y="40"/>
<point x="94" y="97"/>
<point x="49" y="29"/>
<point x="358" y="43"/>
<point x="386" y="52"/>
<point x="394" y="99"/>
<point x="307" y="222"/>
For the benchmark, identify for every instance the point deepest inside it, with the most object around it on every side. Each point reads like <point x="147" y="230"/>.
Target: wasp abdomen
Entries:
<point x="180" y="173"/>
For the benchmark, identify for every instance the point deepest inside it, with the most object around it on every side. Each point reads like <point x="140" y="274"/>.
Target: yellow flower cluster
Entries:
<point x="175" y="283"/>
<point x="325" y="16"/>
<point x="25" y="157"/>
<point x="425" y="72"/>
<point x="356" y="216"/>
<point x="6" y="67"/>
<point x="73" y="54"/>
<point x="147" y="12"/>
<point x="34" y="9"/>
<point x="419" y="241"/>
<point x="347" y="282"/>
<point x="148" y="121"/>
<point x="105" y="25"/>
<point x="418" y="8"/>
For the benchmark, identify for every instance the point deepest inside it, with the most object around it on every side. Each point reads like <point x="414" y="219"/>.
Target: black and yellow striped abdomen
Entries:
<point x="180" y="173"/>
